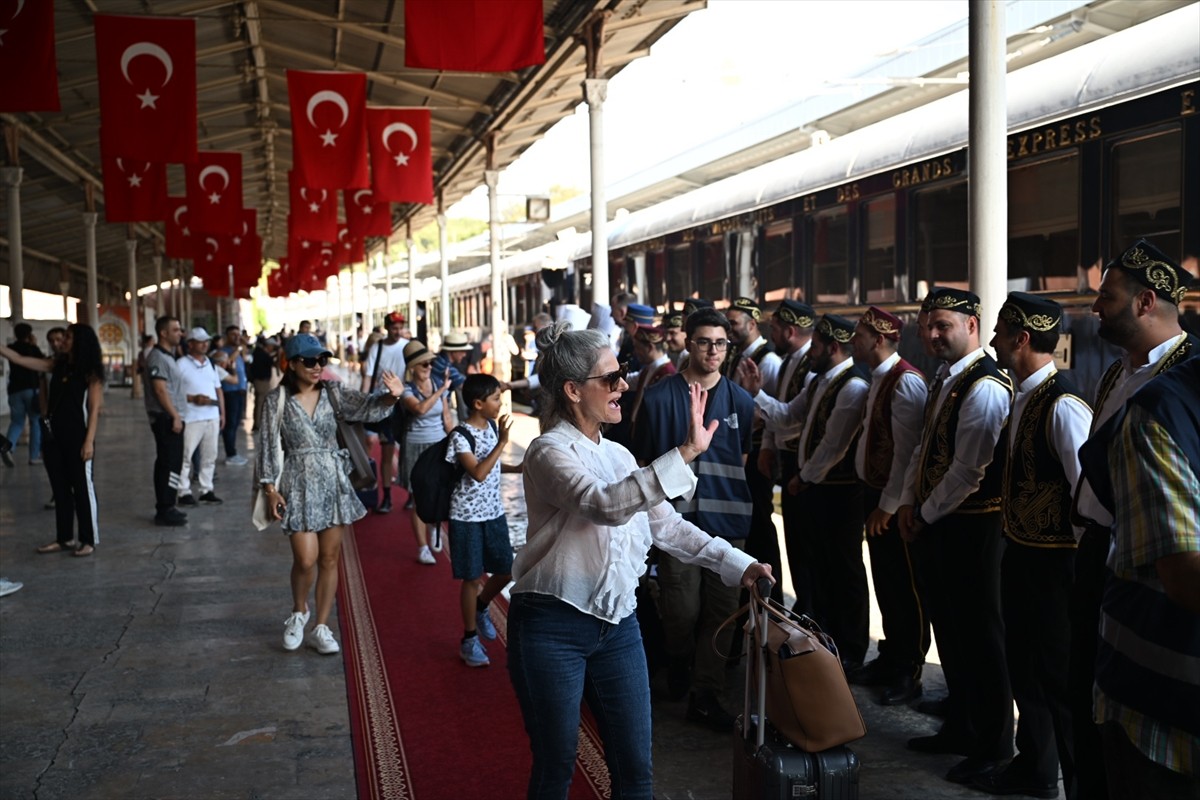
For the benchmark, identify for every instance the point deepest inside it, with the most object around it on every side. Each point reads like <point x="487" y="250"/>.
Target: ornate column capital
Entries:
<point x="595" y="90"/>
<point x="11" y="176"/>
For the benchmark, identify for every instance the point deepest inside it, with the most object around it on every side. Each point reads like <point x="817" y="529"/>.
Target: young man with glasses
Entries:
<point x="693" y="601"/>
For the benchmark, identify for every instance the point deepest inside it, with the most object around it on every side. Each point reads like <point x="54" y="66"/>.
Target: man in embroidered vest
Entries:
<point x="1047" y="425"/>
<point x="891" y="427"/>
<point x="648" y="348"/>
<point x="951" y="505"/>
<point x="676" y="339"/>
<point x="692" y="601"/>
<point x="1138" y="310"/>
<point x="826" y="557"/>
<point x="1146" y="472"/>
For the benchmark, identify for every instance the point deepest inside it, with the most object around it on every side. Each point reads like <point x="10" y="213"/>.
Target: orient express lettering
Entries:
<point x="847" y="193"/>
<point x="1187" y="102"/>
<point x="1045" y="140"/>
<point x="810" y="203"/>
<point x="922" y="173"/>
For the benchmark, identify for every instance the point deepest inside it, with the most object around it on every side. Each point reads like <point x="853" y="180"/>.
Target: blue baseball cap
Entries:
<point x="305" y="345"/>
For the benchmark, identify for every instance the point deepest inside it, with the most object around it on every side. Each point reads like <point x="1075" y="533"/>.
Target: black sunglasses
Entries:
<point x="614" y="378"/>
<point x="310" y="361"/>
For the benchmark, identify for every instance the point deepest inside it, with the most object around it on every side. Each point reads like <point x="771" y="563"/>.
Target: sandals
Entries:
<point x="53" y="547"/>
<point x="83" y="550"/>
<point x="78" y="550"/>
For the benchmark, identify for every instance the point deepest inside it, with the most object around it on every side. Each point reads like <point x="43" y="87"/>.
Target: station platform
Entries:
<point x="154" y="668"/>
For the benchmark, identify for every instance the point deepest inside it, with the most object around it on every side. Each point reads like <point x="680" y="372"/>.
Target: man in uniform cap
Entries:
<point x="951" y="506"/>
<point x="387" y="354"/>
<point x="694" y="304"/>
<point x="1047" y="425"/>
<point x="1138" y="309"/>
<point x="826" y="558"/>
<point x="636" y="316"/>
<point x="891" y="426"/>
<point x="676" y="339"/>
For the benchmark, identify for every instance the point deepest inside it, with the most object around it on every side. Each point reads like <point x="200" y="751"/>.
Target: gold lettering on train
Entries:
<point x="1053" y="138"/>
<point x="810" y="203"/>
<point x="847" y="193"/>
<point x="922" y="173"/>
<point x="1187" y="105"/>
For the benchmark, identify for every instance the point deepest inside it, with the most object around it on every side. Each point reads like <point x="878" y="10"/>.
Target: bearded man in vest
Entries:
<point x="891" y="427"/>
<point x="1047" y="425"/>
<point x="951" y="505"/>
<point x="1138" y="310"/>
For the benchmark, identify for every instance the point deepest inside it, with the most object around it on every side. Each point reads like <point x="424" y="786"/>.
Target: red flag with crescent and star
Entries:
<point x="147" y="72"/>
<point x="473" y="35"/>
<point x="351" y="249"/>
<point x="134" y="191"/>
<point x="27" y="52"/>
<point x="214" y="192"/>
<point x="401" y="159"/>
<point x="247" y="250"/>
<point x="365" y="215"/>
<point x="314" y="211"/>
<point x="180" y="241"/>
<point x="213" y="260"/>
<point x="329" y="132"/>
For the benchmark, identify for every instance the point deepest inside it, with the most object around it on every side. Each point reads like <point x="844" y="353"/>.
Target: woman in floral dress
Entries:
<point x="305" y="475"/>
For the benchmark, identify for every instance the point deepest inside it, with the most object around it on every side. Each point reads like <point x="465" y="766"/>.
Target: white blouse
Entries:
<point x="593" y="514"/>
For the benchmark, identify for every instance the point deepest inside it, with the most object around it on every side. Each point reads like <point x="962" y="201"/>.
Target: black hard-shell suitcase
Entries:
<point x="767" y="767"/>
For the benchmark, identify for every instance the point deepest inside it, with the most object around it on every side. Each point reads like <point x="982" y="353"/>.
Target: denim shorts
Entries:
<point x="478" y="547"/>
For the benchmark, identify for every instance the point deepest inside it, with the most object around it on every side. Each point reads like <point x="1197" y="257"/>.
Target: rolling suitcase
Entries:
<point x="370" y="497"/>
<point x="765" y="764"/>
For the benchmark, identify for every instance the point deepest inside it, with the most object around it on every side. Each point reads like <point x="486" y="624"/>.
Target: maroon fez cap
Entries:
<point x="885" y="324"/>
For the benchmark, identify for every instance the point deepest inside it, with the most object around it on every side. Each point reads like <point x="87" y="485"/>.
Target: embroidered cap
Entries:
<point x="649" y="334"/>
<point x="640" y="314"/>
<point x="1154" y="270"/>
<point x="793" y="312"/>
<point x="836" y="328"/>
<point x="1031" y="312"/>
<point x="673" y="319"/>
<point x="947" y="299"/>
<point x="747" y="306"/>
<point x="694" y="304"/>
<point x="885" y="324"/>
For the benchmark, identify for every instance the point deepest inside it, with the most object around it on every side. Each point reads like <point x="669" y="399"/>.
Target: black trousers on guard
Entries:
<point x="168" y="461"/>
<point x="1035" y="587"/>
<point x="1086" y="594"/>
<point x="959" y="570"/>
<point x="905" y="621"/>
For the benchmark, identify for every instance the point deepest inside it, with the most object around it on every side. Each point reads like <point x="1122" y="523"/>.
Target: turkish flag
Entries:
<point x="27" y="57"/>
<point x="473" y="35"/>
<point x="247" y="249"/>
<point x="401" y="160"/>
<point x="365" y="216"/>
<point x="134" y="191"/>
<point x="214" y="192"/>
<point x="303" y="255"/>
<point x="180" y="241"/>
<point x="147" y="72"/>
<point x="351" y="249"/>
<point x="329" y="130"/>
<point x="314" y="211"/>
<point x="213" y="261"/>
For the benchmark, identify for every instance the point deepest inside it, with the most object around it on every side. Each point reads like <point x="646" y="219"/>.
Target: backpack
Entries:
<point x="433" y="478"/>
<point x="400" y="418"/>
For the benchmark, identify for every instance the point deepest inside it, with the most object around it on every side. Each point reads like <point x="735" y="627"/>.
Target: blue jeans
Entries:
<point x="558" y="656"/>
<point x="24" y="404"/>
<point x="235" y="410"/>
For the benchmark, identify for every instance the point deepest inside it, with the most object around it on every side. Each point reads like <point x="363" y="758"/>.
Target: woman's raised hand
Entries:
<point x="699" y="434"/>
<point x="393" y="383"/>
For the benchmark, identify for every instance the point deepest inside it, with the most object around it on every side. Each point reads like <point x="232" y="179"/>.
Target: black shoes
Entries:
<point x="211" y="499"/>
<point x="873" y="673"/>
<point x="705" y="708"/>
<point x="186" y="500"/>
<point x="171" y="518"/>
<point x="900" y="691"/>
<point x="934" y="708"/>
<point x="386" y="506"/>
<point x="1006" y="782"/>
<point x="971" y="769"/>
<point x="6" y="447"/>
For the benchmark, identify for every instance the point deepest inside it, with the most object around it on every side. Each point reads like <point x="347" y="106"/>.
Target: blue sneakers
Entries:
<point x="471" y="651"/>
<point x="483" y="624"/>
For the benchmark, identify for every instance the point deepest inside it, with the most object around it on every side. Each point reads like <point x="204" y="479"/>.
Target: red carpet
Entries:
<point x="426" y="726"/>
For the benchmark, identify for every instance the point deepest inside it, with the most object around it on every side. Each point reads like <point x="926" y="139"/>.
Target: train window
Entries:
<point x="940" y="230"/>
<point x="1043" y="224"/>
<point x="1146" y="187"/>
<point x="679" y="272"/>
<point x="879" y="250"/>
<point x="655" y="290"/>
<point x="829" y="254"/>
<point x="778" y="274"/>
<point x="712" y="279"/>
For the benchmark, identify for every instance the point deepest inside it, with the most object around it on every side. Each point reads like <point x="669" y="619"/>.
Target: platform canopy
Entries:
<point x="243" y="50"/>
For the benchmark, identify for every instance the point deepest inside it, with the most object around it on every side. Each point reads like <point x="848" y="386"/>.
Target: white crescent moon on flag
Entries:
<point x="327" y="96"/>
<point x="20" y="5"/>
<point x="359" y="194"/>
<point x="342" y="234"/>
<point x="403" y="128"/>
<point x="146" y="49"/>
<point x="245" y="228"/>
<point x="120" y="165"/>
<point x="214" y="169"/>
<point x="214" y="243"/>
<point x="178" y="211"/>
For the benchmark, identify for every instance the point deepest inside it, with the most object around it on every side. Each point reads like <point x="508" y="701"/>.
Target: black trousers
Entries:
<point x="1086" y="594"/>
<point x="763" y="540"/>
<point x="828" y="552"/>
<point x="1035" y="587"/>
<point x="905" y="622"/>
<point x="959" y="569"/>
<point x="168" y="461"/>
<point x="71" y="481"/>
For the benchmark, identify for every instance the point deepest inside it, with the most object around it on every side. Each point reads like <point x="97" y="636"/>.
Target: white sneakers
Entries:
<point x="425" y="556"/>
<point x="293" y="630"/>
<point x="321" y="639"/>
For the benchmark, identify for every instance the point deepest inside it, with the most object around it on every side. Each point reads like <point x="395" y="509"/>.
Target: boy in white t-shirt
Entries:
<point x="479" y="543"/>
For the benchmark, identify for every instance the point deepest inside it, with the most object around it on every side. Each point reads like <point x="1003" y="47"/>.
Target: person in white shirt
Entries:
<point x="951" y="507"/>
<point x="387" y="355"/>
<point x="203" y="417"/>
<point x="593" y="515"/>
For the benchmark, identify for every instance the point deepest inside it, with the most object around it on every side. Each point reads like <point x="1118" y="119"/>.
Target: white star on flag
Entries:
<point x="401" y="160"/>
<point x="366" y="209"/>
<point x="147" y="99"/>
<point x="214" y="198"/>
<point x="237" y="240"/>
<point x="328" y="139"/>
<point x="314" y="207"/>
<point x="187" y="232"/>
<point x="135" y="180"/>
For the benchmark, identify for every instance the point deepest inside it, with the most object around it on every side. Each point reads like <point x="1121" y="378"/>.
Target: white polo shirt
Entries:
<point x="199" y="377"/>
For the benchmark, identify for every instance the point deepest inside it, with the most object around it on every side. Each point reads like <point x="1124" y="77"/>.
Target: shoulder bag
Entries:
<point x="350" y="438"/>
<point x="260" y="513"/>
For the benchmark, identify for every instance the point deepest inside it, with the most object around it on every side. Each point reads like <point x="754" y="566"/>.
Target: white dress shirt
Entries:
<point x="839" y="429"/>
<point x="980" y="420"/>
<point x="908" y="410"/>
<point x="593" y="515"/>
<point x="769" y="366"/>
<point x="776" y="434"/>
<point x="199" y="377"/>
<point x="1070" y="423"/>
<point x="1132" y="378"/>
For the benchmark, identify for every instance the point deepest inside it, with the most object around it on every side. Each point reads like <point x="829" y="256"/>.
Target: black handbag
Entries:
<point x="350" y="438"/>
